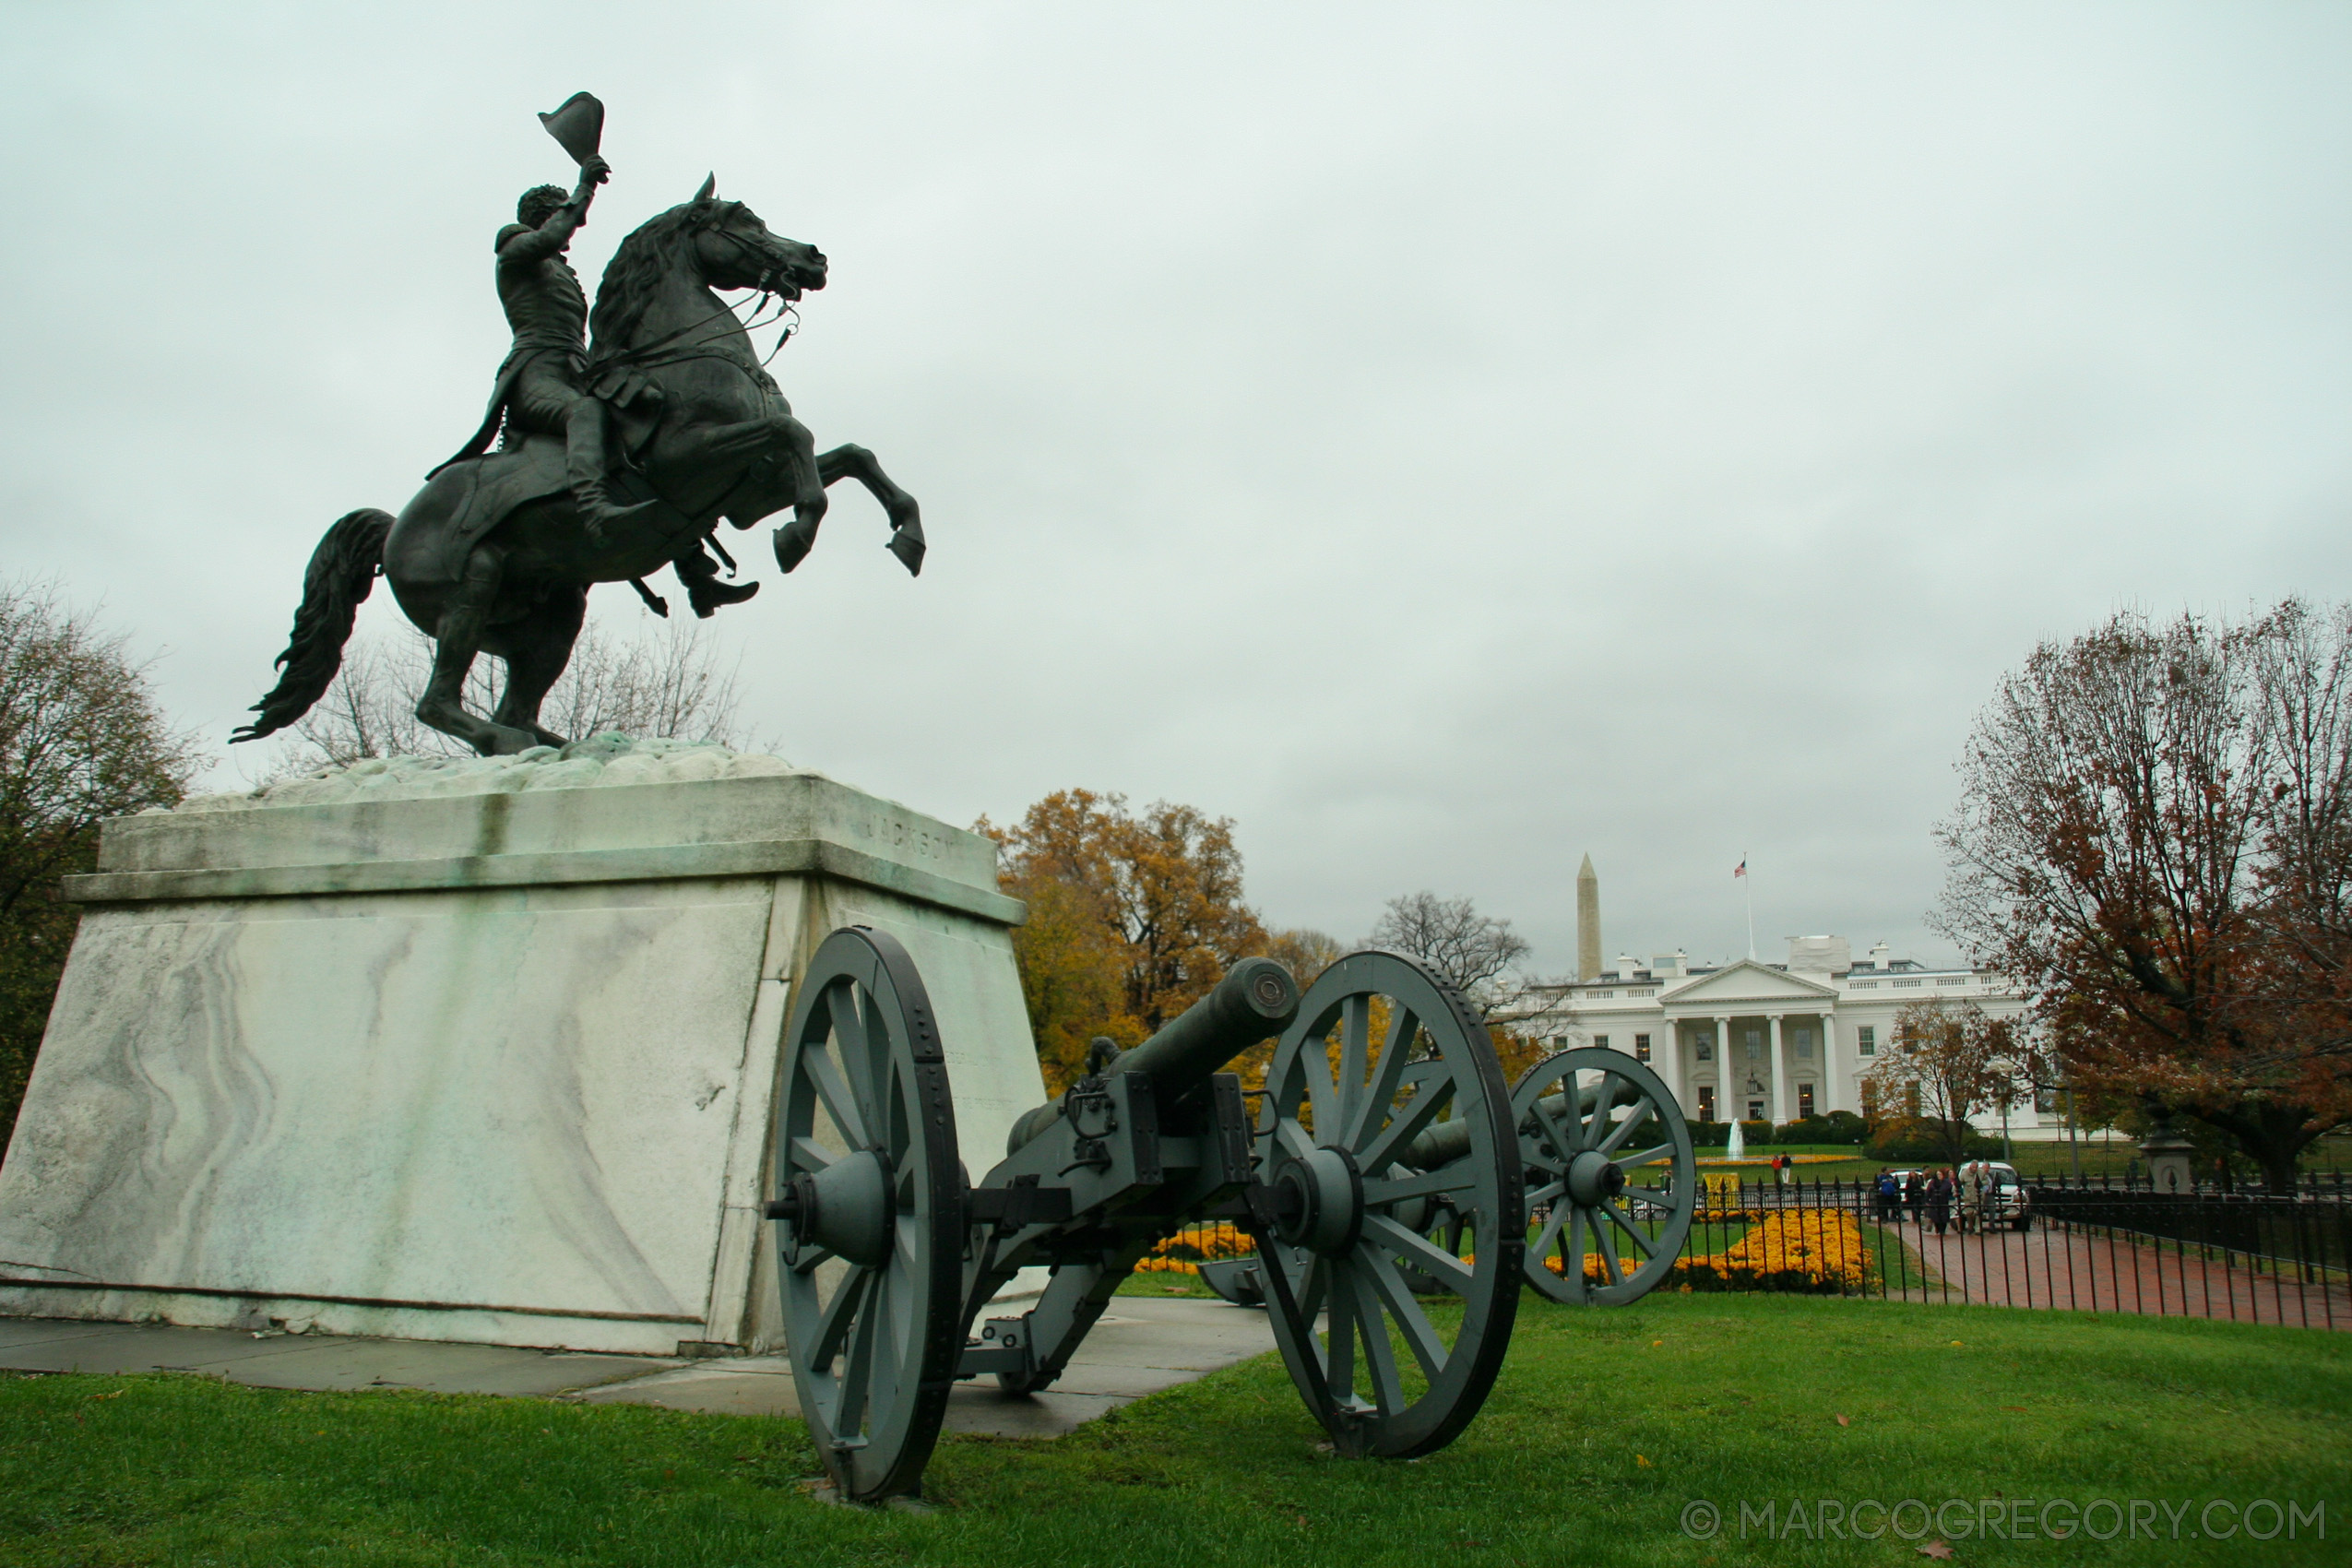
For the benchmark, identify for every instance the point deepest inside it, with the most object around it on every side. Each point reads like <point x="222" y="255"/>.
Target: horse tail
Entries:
<point x="341" y="573"/>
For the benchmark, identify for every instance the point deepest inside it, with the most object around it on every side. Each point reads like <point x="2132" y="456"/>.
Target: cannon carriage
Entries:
<point x="1386" y="1163"/>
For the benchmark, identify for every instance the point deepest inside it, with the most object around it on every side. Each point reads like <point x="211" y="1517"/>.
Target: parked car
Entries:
<point x="2006" y="1201"/>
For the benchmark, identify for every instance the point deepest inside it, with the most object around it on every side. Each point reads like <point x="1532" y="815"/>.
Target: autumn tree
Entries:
<point x="1957" y="1059"/>
<point x="1471" y="950"/>
<point x="2154" y="838"/>
<point x="81" y="740"/>
<point x="1305" y="953"/>
<point x="1133" y="918"/>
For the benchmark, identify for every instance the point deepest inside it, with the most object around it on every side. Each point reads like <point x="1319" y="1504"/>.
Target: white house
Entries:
<point x="1762" y="1042"/>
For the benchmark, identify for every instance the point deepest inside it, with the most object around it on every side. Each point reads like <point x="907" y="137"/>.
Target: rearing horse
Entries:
<point x="490" y="556"/>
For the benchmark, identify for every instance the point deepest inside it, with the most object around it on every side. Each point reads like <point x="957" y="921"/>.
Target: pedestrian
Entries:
<point x="1914" y="1195"/>
<point x="1972" y="1196"/>
<point x="1939" y="1198"/>
<point x="1889" y="1196"/>
<point x="1780" y="1163"/>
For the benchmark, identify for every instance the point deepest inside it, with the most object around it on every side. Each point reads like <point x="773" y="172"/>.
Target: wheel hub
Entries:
<point x="845" y="1209"/>
<point x="1319" y="1202"/>
<point x="1593" y="1179"/>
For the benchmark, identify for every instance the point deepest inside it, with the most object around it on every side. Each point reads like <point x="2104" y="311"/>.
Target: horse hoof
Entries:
<point x="908" y="547"/>
<point x="793" y="542"/>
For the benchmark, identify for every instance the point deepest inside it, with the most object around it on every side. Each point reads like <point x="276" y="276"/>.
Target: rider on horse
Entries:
<point x="540" y="384"/>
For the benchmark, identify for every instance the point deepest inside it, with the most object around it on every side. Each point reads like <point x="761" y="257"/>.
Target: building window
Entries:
<point x="1756" y="1045"/>
<point x="1866" y="1041"/>
<point x="1911" y="1100"/>
<point x="1804" y="1100"/>
<point x="1706" y="1102"/>
<point x="1641" y="1047"/>
<point x="1706" y="1053"/>
<point x="1755" y="1111"/>
<point x="1804" y="1045"/>
<point x="1601" y="1042"/>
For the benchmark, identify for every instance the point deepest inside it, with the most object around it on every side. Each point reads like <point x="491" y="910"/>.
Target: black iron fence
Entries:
<point x="2086" y="1245"/>
<point x="2096" y="1245"/>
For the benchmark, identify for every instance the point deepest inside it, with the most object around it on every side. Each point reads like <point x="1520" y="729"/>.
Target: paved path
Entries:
<point x="1139" y="1347"/>
<point x="2065" y="1267"/>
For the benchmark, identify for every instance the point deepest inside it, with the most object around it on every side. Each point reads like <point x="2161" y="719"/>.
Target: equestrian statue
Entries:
<point x="623" y="435"/>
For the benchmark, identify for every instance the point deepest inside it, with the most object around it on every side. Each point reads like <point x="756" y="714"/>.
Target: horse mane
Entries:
<point x="637" y="267"/>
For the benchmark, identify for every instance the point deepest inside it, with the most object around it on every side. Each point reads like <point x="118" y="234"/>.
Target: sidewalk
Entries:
<point x="1139" y="1347"/>
<point x="2064" y="1267"/>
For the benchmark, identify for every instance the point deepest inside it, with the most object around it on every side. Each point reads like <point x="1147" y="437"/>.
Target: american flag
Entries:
<point x="1742" y="868"/>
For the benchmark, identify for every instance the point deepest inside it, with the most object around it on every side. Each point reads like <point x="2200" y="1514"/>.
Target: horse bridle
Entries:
<point x="768" y="279"/>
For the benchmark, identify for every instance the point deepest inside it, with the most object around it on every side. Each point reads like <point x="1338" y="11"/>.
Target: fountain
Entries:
<point x="1739" y="1143"/>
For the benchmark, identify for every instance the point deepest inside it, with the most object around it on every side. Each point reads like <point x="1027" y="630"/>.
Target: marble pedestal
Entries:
<point x="477" y="1050"/>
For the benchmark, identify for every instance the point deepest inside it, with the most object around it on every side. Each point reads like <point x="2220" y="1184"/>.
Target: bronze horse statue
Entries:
<point x="491" y="557"/>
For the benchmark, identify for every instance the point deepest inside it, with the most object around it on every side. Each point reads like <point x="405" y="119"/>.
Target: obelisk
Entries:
<point x="1587" y="922"/>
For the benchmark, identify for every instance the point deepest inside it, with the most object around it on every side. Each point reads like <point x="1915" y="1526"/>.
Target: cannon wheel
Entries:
<point x="871" y="1256"/>
<point x="1571" y="1157"/>
<point x="1384" y="1378"/>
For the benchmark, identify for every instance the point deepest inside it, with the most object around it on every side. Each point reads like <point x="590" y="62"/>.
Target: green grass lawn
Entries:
<point x="1605" y="1425"/>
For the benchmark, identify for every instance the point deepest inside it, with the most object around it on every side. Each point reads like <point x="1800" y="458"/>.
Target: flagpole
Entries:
<point x="1748" y="886"/>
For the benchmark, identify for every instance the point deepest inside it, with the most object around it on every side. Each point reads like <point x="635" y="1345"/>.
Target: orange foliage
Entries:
<point x="1131" y="918"/>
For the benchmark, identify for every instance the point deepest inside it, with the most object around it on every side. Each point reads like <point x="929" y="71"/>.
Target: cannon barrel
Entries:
<point x="1449" y="1140"/>
<point x="1257" y="998"/>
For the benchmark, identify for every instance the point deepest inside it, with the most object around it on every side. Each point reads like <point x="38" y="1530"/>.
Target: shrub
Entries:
<point x="1923" y="1138"/>
<point x="1838" y="1127"/>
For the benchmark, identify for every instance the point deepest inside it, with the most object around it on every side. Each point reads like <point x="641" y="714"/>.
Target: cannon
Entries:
<point x="1385" y="1162"/>
<point x="1574" y="1163"/>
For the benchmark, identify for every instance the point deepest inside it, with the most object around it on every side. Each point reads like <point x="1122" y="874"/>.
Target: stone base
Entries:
<point x="484" y="1051"/>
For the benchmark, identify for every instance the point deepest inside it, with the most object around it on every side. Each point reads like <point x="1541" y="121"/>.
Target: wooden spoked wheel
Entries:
<point x="1578" y="1158"/>
<point x="1385" y="1061"/>
<point x="869" y="1207"/>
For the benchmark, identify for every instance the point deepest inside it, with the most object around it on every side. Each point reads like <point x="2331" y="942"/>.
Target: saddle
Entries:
<point x="467" y="497"/>
<point x="479" y="493"/>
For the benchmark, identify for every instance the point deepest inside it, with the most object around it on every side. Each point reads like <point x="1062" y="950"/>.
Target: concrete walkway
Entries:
<point x="1141" y="1346"/>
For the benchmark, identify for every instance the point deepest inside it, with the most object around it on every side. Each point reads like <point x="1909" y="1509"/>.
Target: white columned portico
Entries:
<point x="1729" y="1089"/>
<point x="1833" y="1076"/>
<point x="1667" y="1060"/>
<point x="1777" y="1087"/>
<point x="1727" y="1084"/>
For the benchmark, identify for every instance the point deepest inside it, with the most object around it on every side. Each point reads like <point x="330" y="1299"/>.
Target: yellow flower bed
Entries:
<point x="1185" y="1251"/>
<point x="1788" y="1249"/>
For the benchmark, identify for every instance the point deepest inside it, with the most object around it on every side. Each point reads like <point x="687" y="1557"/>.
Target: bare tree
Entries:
<point x="668" y="684"/>
<point x="81" y="740"/>
<point x="1306" y="954"/>
<point x="1471" y="950"/>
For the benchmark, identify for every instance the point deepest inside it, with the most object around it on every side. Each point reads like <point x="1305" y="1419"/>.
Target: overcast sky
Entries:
<point x="1448" y="440"/>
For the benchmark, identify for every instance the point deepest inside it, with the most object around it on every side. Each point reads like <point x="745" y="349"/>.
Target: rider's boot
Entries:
<point x="704" y="593"/>
<point x="599" y="514"/>
<point x="584" y="467"/>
